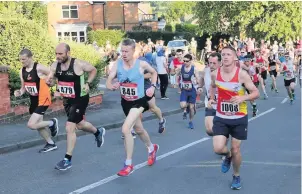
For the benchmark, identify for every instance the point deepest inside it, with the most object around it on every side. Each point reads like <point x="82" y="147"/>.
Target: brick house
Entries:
<point x="70" y="19"/>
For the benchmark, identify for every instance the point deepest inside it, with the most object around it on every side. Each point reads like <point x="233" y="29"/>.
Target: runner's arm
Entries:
<point x="111" y="76"/>
<point x="213" y="85"/>
<point x="145" y="66"/>
<point x="87" y="67"/>
<point x="42" y="69"/>
<point x="250" y="86"/>
<point x="201" y="80"/>
<point x="51" y="79"/>
<point x="22" y="89"/>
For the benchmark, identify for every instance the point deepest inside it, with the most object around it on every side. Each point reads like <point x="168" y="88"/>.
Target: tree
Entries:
<point x="215" y="16"/>
<point x="268" y="20"/>
<point x="274" y="19"/>
<point x="32" y="10"/>
<point x="178" y="9"/>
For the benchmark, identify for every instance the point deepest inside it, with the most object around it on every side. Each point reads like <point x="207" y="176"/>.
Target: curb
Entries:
<point x="34" y="142"/>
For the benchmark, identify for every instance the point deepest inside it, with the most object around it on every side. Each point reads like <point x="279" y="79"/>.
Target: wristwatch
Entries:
<point x="153" y="85"/>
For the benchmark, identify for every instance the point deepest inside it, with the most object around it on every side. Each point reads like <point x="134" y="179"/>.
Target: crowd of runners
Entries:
<point x="229" y="80"/>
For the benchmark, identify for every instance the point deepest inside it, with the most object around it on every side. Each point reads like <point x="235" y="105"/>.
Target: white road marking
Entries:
<point x="141" y="165"/>
<point x="284" y="100"/>
<point x="102" y="86"/>
<point x="261" y="114"/>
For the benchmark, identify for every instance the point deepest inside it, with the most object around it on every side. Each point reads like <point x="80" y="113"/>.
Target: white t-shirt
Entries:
<point x="160" y="61"/>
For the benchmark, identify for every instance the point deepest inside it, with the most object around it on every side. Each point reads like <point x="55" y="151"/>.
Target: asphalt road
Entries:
<point x="186" y="162"/>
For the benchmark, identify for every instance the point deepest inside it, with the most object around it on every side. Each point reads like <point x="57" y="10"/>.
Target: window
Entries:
<point x="70" y="11"/>
<point x="82" y="36"/>
<point x="76" y="36"/>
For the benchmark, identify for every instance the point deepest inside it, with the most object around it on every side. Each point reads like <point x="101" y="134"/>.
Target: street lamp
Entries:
<point x="161" y="24"/>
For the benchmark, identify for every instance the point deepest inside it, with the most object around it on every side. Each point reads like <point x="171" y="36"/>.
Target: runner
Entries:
<point x="188" y="94"/>
<point x="289" y="77"/>
<point x="32" y="77"/>
<point x="299" y="66"/>
<point x="262" y="65"/>
<point x="130" y="74"/>
<point x="69" y="73"/>
<point x="273" y="70"/>
<point x="205" y="80"/>
<point x="151" y="100"/>
<point x="231" y="114"/>
<point x="254" y="74"/>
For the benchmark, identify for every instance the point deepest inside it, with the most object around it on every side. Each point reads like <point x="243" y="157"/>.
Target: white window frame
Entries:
<point x="69" y="12"/>
<point x="78" y="28"/>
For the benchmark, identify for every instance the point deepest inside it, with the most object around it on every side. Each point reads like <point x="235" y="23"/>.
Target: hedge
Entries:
<point x="166" y="36"/>
<point x="101" y="36"/>
<point x="16" y="34"/>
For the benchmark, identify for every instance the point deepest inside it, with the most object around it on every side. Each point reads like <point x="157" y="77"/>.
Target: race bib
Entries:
<point x="66" y="89"/>
<point x="289" y="74"/>
<point x="31" y="88"/>
<point x="229" y="108"/>
<point x="129" y="91"/>
<point x="187" y="85"/>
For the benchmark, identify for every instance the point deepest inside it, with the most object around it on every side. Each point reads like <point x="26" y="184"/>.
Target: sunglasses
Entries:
<point x="186" y="61"/>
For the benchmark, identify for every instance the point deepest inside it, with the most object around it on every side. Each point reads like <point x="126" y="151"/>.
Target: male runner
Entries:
<point x="289" y="77"/>
<point x="151" y="100"/>
<point x="273" y="70"/>
<point x="231" y="114"/>
<point x="71" y="85"/>
<point x="130" y="74"/>
<point x="262" y="65"/>
<point x="205" y="80"/>
<point x="32" y="77"/>
<point x="188" y="94"/>
<point x="254" y="74"/>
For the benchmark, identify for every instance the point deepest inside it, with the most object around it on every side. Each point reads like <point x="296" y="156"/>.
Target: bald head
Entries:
<point x="62" y="52"/>
<point x="64" y="46"/>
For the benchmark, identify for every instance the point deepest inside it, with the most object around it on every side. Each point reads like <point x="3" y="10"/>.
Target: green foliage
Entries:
<point x="32" y="10"/>
<point x="191" y="28"/>
<point x="173" y="10"/>
<point x="168" y="28"/>
<point x="101" y="36"/>
<point x="89" y="54"/>
<point x="16" y="34"/>
<point x="142" y="28"/>
<point x="261" y="19"/>
<point x="166" y="36"/>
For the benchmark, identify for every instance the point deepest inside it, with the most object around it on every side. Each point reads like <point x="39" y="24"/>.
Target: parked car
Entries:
<point x="178" y="44"/>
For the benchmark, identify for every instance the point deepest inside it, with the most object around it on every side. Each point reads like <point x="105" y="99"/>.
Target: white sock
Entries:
<point x="51" y="123"/>
<point x="128" y="162"/>
<point x="51" y="142"/>
<point x="151" y="148"/>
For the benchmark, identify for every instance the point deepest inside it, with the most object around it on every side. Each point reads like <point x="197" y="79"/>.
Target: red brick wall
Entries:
<point x="4" y="94"/>
<point x="55" y="14"/>
<point x="93" y="14"/>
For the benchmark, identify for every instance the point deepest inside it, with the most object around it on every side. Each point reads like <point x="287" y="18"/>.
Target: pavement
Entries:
<point x="186" y="162"/>
<point x="109" y="114"/>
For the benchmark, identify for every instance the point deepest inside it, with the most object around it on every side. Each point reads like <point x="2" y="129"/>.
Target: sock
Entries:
<point x="97" y="133"/>
<point x="162" y="120"/>
<point x="51" y="142"/>
<point x="151" y="148"/>
<point x="68" y="157"/>
<point x="128" y="162"/>
<point x="51" y="123"/>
